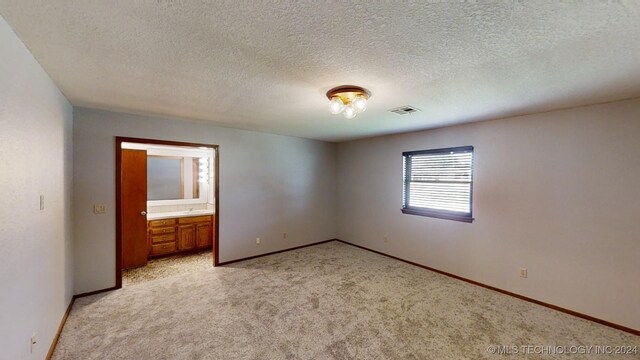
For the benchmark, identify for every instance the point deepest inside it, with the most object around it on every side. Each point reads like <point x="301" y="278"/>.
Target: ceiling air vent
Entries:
<point x="403" y="110"/>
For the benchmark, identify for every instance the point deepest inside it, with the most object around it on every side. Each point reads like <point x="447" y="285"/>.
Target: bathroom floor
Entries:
<point x="167" y="267"/>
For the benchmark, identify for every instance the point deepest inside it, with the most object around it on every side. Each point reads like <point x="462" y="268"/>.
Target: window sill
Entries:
<point x="439" y="215"/>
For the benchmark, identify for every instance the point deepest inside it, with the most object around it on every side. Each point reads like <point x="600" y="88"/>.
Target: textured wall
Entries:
<point x="556" y="193"/>
<point x="269" y="184"/>
<point x="35" y="245"/>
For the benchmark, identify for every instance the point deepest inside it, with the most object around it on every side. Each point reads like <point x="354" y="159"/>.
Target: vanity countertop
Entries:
<point x="178" y="214"/>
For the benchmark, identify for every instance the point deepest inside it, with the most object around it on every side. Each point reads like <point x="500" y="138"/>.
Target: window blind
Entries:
<point x="439" y="182"/>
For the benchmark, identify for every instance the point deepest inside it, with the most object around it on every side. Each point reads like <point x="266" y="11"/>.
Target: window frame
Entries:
<point x="428" y="212"/>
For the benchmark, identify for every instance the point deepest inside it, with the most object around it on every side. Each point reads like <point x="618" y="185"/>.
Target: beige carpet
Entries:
<point x="168" y="266"/>
<point x="330" y="301"/>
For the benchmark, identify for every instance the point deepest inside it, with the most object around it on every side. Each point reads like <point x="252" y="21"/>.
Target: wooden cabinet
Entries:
<point x="163" y="222"/>
<point x="163" y="248"/>
<point x="204" y="236"/>
<point x="171" y="236"/>
<point x="187" y="236"/>
<point x="161" y="237"/>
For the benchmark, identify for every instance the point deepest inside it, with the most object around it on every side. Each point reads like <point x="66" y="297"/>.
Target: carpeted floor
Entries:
<point x="329" y="301"/>
<point x="168" y="266"/>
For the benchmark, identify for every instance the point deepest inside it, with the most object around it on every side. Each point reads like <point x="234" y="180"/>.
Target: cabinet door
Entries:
<point x="204" y="235"/>
<point x="187" y="237"/>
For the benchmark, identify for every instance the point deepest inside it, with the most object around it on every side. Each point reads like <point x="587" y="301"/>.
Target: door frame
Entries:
<point x="119" y="141"/>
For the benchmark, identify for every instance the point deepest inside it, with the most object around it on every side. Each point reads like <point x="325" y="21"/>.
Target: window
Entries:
<point x="438" y="183"/>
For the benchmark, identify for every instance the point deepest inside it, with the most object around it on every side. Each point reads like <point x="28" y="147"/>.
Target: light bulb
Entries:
<point x="350" y="111"/>
<point x="336" y="105"/>
<point x="360" y="102"/>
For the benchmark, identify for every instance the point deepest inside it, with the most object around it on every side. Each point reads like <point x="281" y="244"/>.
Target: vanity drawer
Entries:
<point x="194" y="219"/>
<point x="163" y="230"/>
<point x="163" y="222"/>
<point x="157" y="239"/>
<point x="161" y="249"/>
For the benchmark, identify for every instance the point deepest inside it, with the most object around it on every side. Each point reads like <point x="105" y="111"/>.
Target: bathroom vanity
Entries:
<point x="172" y="235"/>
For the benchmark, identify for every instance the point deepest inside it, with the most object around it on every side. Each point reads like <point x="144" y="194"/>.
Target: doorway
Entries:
<point x="167" y="209"/>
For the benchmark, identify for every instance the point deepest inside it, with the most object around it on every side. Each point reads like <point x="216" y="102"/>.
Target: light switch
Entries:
<point x="41" y="202"/>
<point x="99" y="208"/>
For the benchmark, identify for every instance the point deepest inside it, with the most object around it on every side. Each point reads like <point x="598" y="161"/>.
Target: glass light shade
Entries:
<point x="350" y="111"/>
<point x="360" y="103"/>
<point x="203" y="176"/>
<point x="336" y="105"/>
<point x="203" y="166"/>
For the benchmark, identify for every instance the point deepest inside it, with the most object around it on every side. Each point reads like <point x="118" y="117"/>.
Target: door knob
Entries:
<point x="143" y="213"/>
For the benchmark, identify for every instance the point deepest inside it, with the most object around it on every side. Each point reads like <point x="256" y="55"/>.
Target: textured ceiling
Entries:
<point x="265" y="65"/>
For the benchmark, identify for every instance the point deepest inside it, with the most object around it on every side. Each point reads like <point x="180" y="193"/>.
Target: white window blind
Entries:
<point x="439" y="183"/>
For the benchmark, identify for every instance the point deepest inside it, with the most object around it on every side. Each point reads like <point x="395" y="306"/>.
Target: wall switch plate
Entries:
<point x="523" y="272"/>
<point x="33" y="342"/>
<point x="41" y="202"/>
<point x="99" y="208"/>
<point x="386" y="238"/>
<point x="257" y="240"/>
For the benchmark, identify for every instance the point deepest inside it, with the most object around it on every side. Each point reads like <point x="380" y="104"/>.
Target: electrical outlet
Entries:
<point x="33" y="342"/>
<point x="41" y="202"/>
<point x="284" y="235"/>
<point x="99" y="208"/>
<point x="257" y="240"/>
<point x="523" y="272"/>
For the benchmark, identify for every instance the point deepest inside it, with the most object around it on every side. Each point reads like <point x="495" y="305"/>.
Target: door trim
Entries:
<point x="118" y="145"/>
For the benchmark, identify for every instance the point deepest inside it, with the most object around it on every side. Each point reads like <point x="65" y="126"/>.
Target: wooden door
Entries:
<point x="204" y="235"/>
<point x="133" y="208"/>
<point x="187" y="237"/>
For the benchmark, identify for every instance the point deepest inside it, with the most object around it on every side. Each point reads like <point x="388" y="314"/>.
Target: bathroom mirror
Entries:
<point x="172" y="178"/>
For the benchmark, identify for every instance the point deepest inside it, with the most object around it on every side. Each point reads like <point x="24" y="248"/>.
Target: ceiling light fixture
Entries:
<point x="348" y="99"/>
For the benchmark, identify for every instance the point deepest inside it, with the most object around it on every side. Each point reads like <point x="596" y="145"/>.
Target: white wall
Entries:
<point x="269" y="184"/>
<point x="557" y="193"/>
<point x="35" y="159"/>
